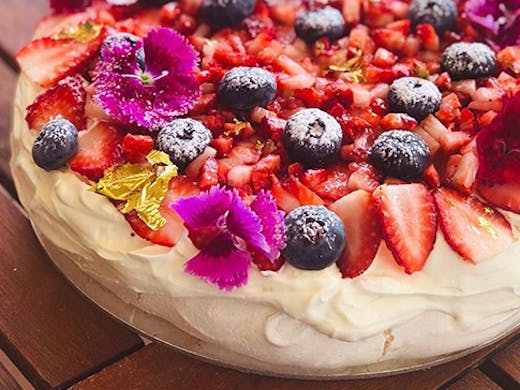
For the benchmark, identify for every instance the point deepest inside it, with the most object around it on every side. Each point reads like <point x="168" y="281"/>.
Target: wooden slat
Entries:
<point x="158" y="367"/>
<point x="504" y="367"/>
<point x="17" y="22"/>
<point x="474" y="380"/>
<point x="52" y="333"/>
<point x="8" y="78"/>
<point x="7" y="382"/>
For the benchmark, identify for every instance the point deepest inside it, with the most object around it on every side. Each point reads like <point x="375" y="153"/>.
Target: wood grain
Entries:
<point x="17" y="23"/>
<point x="53" y="334"/>
<point x="8" y="77"/>
<point x="504" y="367"/>
<point x="474" y="380"/>
<point x="158" y="367"/>
<point x="7" y="382"/>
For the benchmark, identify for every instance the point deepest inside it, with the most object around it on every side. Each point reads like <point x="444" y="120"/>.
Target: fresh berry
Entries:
<point x="441" y="14"/>
<point x="409" y="223"/>
<point x="99" y="149"/>
<point x="468" y="60"/>
<point x="312" y="137"/>
<point x="56" y="143"/>
<point x="66" y="99"/>
<point x="474" y="230"/>
<point x="401" y="154"/>
<point x="318" y="23"/>
<point x="315" y="238"/>
<point x="183" y="140"/>
<point x="414" y="96"/>
<point x="504" y="196"/>
<point x="360" y="217"/>
<point x="243" y="88"/>
<point x="226" y="13"/>
<point x="136" y="147"/>
<point x="46" y="60"/>
<point x="173" y="230"/>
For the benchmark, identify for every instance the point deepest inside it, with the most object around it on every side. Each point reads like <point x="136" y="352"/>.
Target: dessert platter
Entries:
<point x="316" y="189"/>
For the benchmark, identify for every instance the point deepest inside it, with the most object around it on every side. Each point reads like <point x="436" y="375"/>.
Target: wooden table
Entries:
<point x="54" y="338"/>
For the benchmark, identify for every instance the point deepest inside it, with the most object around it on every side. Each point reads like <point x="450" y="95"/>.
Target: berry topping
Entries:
<point x="225" y="13"/>
<point x="183" y="140"/>
<point x="409" y="223"/>
<point x="315" y="237"/>
<point x="243" y="88"/>
<point x="414" y="96"/>
<point x="360" y="217"/>
<point x="312" y="137"/>
<point x="99" y="149"/>
<point x="469" y="60"/>
<point x="441" y="14"/>
<point x="66" y="99"/>
<point x="47" y="60"/>
<point x="472" y="229"/>
<point x="400" y="154"/>
<point x="504" y="196"/>
<point x="56" y="143"/>
<point x="318" y="23"/>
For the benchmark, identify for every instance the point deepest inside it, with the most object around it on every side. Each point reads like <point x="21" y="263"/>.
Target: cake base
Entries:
<point x="164" y="332"/>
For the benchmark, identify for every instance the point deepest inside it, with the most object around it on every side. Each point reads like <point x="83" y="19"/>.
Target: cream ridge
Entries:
<point x="297" y="318"/>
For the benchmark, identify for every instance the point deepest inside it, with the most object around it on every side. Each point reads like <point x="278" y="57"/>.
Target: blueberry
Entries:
<point x="226" y="13"/>
<point x="312" y="137"/>
<point x="243" y="88"/>
<point x="468" y="61"/>
<point x="414" y="96"/>
<point x="56" y="143"/>
<point x="400" y="153"/>
<point x="183" y="140"/>
<point x="441" y="14"/>
<point x="118" y="38"/>
<point x="323" y="22"/>
<point x="315" y="237"/>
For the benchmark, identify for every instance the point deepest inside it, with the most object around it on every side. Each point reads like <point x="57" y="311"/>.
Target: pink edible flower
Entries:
<point x="66" y="6"/>
<point x="147" y="83"/>
<point x="227" y="231"/>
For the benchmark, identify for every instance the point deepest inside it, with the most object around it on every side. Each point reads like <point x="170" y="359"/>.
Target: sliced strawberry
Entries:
<point x="136" y="147"/>
<point x="472" y="229"/>
<point x="99" y="149"/>
<point x="398" y="121"/>
<point x="364" y="177"/>
<point x="46" y="60"/>
<point x="239" y="176"/>
<point x="504" y="196"/>
<point x="264" y="264"/>
<point x="409" y="223"/>
<point x="335" y="185"/>
<point x="67" y="99"/>
<point x="428" y="36"/>
<point x="261" y="174"/>
<point x="285" y="200"/>
<point x="193" y="168"/>
<point x="431" y="176"/>
<point x="208" y="174"/>
<point x="304" y="195"/>
<point x="359" y="214"/>
<point x="173" y="231"/>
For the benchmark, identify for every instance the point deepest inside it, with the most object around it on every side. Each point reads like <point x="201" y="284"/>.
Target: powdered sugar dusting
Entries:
<point x="414" y="96"/>
<point x="469" y="60"/>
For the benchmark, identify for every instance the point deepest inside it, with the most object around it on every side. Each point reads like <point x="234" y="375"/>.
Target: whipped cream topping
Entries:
<point x="84" y="223"/>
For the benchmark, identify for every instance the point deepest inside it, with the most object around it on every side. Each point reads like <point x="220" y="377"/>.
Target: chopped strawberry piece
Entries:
<point x="304" y="195"/>
<point x="136" y="147"/>
<point x="66" y="99"/>
<point x="504" y="196"/>
<point x="389" y="39"/>
<point x="46" y="60"/>
<point x="384" y="58"/>
<point x="99" y="149"/>
<point x="193" y="168"/>
<point x="312" y="178"/>
<point x="449" y="109"/>
<point x="467" y="122"/>
<point x="462" y="176"/>
<point x="364" y="177"/>
<point x="352" y="11"/>
<point x="360" y="216"/>
<point x="208" y="174"/>
<point x="285" y="200"/>
<point x="428" y="36"/>
<point x="173" y="230"/>
<point x="396" y="121"/>
<point x="261" y="174"/>
<point x="223" y="144"/>
<point x="336" y="184"/>
<point x="409" y="223"/>
<point x="431" y="176"/>
<point x="474" y="230"/>
<point x="239" y="176"/>
<point x="452" y="141"/>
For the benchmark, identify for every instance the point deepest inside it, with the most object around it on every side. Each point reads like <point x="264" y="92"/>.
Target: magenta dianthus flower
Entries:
<point x="227" y="231"/>
<point x="147" y="83"/>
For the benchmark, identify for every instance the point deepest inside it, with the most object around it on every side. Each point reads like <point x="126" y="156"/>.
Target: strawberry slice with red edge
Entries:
<point x="473" y="229"/>
<point x="360" y="216"/>
<point x="66" y="99"/>
<point x="99" y="149"/>
<point x="47" y="60"/>
<point x="504" y="196"/>
<point x="173" y="230"/>
<point x="409" y="223"/>
<point x="136" y="147"/>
